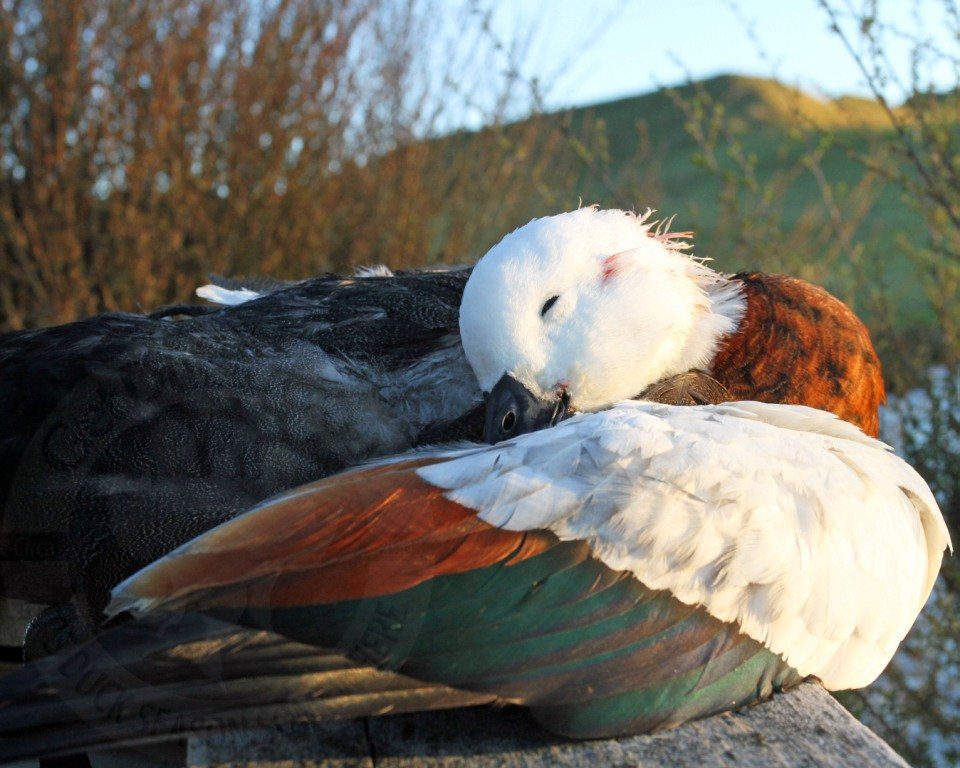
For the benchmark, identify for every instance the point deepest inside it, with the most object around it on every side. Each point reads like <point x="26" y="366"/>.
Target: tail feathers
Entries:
<point x="173" y="675"/>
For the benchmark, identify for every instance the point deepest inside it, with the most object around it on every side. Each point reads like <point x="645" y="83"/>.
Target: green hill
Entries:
<point x="648" y="157"/>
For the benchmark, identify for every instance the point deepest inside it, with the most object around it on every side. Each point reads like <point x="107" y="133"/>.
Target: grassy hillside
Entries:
<point x="649" y="157"/>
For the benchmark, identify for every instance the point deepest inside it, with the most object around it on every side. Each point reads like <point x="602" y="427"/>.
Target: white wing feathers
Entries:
<point x="817" y="540"/>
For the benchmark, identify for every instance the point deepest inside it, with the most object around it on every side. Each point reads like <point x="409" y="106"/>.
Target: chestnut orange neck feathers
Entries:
<point x="798" y="344"/>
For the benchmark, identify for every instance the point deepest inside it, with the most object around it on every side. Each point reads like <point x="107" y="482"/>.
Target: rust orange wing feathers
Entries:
<point x="360" y="534"/>
<point x="798" y="344"/>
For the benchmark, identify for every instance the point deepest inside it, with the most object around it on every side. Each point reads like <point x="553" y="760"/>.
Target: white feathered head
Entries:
<point x="584" y="309"/>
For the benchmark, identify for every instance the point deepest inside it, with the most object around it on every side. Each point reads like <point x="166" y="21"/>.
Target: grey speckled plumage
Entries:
<point x="124" y="435"/>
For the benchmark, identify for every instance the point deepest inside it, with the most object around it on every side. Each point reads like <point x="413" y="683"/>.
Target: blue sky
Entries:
<point x="610" y="48"/>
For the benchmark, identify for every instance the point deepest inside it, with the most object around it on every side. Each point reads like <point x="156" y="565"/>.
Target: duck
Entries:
<point x="126" y="435"/>
<point x="623" y="571"/>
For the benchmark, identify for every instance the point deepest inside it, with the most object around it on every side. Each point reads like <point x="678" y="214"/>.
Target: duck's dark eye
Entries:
<point x="547" y="304"/>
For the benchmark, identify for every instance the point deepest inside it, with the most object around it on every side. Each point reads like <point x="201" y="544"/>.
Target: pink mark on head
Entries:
<point x="561" y="387"/>
<point x="610" y="268"/>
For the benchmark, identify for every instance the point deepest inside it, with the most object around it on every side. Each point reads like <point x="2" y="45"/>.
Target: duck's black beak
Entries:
<point x="512" y="410"/>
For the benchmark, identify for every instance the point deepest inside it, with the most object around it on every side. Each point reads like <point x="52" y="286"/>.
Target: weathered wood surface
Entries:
<point x="805" y="727"/>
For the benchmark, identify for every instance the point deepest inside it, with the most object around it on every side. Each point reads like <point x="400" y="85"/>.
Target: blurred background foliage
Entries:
<point x="147" y="143"/>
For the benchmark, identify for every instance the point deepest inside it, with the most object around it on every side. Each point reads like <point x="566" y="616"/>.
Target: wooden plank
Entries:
<point x="805" y="727"/>
<point x="332" y="745"/>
